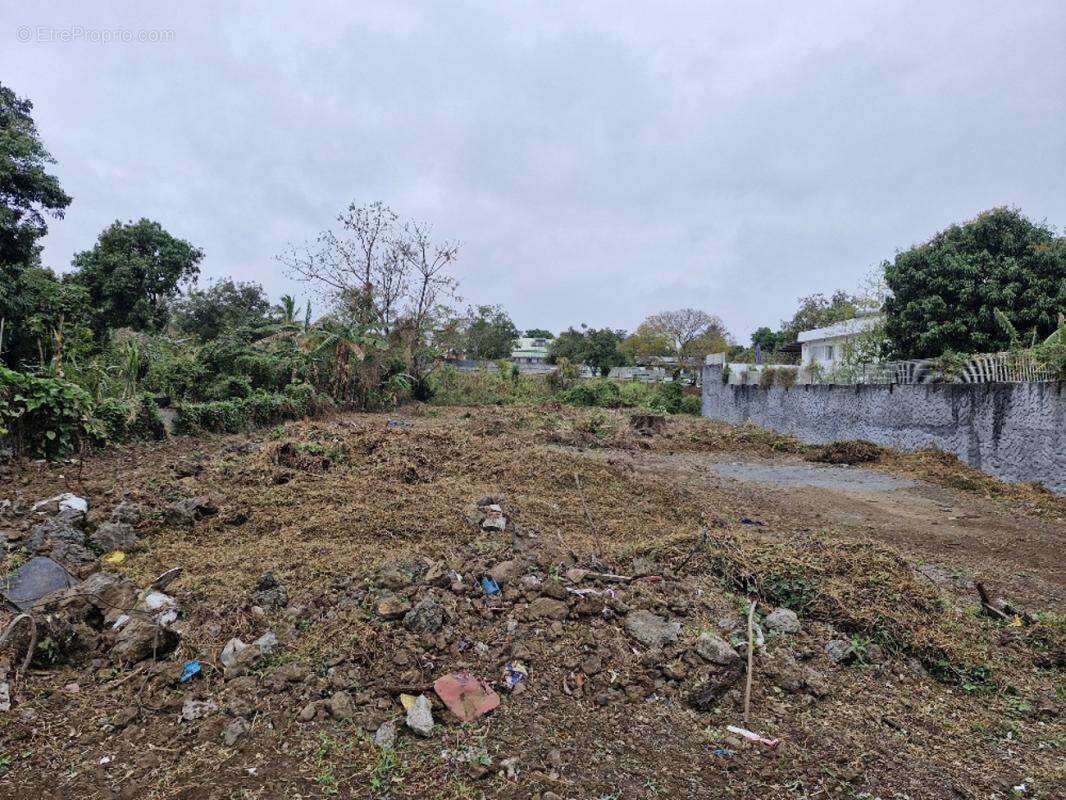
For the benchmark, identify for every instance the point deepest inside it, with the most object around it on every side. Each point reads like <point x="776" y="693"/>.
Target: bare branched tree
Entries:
<point x="380" y="270"/>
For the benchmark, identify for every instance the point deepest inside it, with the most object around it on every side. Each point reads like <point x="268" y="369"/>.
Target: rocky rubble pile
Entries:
<point x="439" y="639"/>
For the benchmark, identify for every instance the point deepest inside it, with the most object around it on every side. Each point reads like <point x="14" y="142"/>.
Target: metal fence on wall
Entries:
<point x="1015" y="366"/>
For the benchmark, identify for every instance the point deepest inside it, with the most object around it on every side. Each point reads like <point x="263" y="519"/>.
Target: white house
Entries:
<point x="828" y="346"/>
<point x="530" y="351"/>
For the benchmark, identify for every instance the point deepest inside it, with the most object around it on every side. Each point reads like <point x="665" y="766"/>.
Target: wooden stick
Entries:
<point x="751" y="649"/>
<point x="986" y="602"/>
<point x="585" y="505"/>
<point x="695" y="548"/>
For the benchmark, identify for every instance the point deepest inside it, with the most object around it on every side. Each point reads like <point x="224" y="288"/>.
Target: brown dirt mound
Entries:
<point x="850" y="452"/>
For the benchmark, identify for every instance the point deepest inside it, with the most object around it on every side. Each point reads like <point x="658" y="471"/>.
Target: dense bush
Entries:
<point x="127" y="420"/>
<point x="259" y="408"/>
<point x="43" y="416"/>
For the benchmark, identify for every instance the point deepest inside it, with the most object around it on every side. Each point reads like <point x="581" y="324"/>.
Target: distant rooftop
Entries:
<point x="847" y="327"/>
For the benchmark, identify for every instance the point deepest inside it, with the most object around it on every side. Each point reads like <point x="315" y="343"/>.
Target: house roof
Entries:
<point x="847" y="327"/>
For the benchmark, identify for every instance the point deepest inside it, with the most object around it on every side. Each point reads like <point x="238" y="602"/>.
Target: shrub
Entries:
<point x="601" y="392"/>
<point x="44" y="416"/>
<point x="767" y="377"/>
<point x="240" y="414"/>
<point x="690" y="404"/>
<point x="112" y="415"/>
<point x="145" y="421"/>
<point x="179" y="377"/>
<point x="668" y="398"/>
<point x="229" y="387"/>
<point x="787" y="376"/>
<point x="565" y="375"/>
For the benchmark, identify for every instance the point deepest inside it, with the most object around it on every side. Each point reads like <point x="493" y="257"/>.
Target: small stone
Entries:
<point x="783" y="620"/>
<point x="391" y="606"/>
<point x="715" y="649"/>
<point x="385" y="735"/>
<point x="126" y="512"/>
<point x="192" y="710"/>
<point x="839" y="651"/>
<point x="308" y="712"/>
<point x="267" y="643"/>
<point x="548" y="608"/>
<point x="230" y="652"/>
<point x="235" y="730"/>
<point x="506" y="572"/>
<point x="341" y="706"/>
<point x="650" y="629"/>
<point x="269" y="593"/>
<point x="426" y="617"/>
<point x="420" y="716"/>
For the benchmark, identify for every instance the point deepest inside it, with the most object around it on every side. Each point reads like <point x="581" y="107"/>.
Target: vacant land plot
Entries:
<point x="617" y="640"/>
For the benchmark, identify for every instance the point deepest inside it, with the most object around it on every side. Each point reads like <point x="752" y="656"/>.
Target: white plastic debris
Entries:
<point x="68" y="501"/>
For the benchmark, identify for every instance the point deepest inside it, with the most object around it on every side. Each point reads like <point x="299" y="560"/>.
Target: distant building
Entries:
<point x="827" y="346"/>
<point x="530" y="350"/>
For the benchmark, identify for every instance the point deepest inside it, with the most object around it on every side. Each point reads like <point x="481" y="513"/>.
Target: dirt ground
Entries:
<point x="360" y="520"/>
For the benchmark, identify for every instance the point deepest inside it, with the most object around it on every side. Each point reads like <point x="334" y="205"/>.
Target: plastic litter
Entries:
<point x="725" y="752"/>
<point x="489" y="586"/>
<point x="114" y="558"/>
<point x="395" y="423"/>
<point x="466" y="696"/>
<point x="514" y="672"/>
<point x="753" y="737"/>
<point x="68" y="501"/>
<point x="189" y="671"/>
<point x="36" y="578"/>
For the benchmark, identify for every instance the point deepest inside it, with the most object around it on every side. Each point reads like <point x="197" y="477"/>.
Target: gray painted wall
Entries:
<point x="1015" y="431"/>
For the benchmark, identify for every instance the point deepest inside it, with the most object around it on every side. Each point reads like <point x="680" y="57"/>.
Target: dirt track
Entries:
<point x="956" y="705"/>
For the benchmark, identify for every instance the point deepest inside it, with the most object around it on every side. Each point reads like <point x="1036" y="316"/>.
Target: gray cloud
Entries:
<point x="600" y="162"/>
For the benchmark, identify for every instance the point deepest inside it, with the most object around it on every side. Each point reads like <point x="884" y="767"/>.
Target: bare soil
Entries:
<point x="936" y="700"/>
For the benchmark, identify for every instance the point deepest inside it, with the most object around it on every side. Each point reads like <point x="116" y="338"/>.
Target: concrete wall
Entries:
<point x="1015" y="431"/>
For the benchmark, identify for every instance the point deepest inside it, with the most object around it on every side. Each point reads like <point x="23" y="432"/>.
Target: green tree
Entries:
<point x="539" y="333"/>
<point x="488" y="333"/>
<point x="223" y="306"/>
<point x="947" y="291"/>
<point x="598" y="348"/>
<point x="134" y="272"/>
<point x="28" y="193"/>
<point x="765" y="338"/>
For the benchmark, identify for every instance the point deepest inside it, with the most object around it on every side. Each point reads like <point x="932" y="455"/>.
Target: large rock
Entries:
<point x="420" y="716"/>
<point x="110" y="536"/>
<point x="715" y="649"/>
<point x="143" y="636"/>
<point x="126" y="512"/>
<point x="61" y="542"/>
<point x="783" y="620"/>
<point x="650" y="629"/>
<point x="426" y="617"/>
<point x="37" y="578"/>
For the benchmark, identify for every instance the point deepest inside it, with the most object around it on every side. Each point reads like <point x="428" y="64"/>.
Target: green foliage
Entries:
<point x="669" y="398"/>
<point x="565" y="374"/>
<point x="539" y="333"/>
<point x="133" y="272"/>
<point x="27" y="194"/>
<point x="43" y="416"/>
<point x="225" y="306"/>
<point x="947" y="291"/>
<point x="599" y="348"/>
<point x="601" y="392"/>
<point x="237" y="415"/>
<point x="787" y="376"/>
<point x="488" y="333"/>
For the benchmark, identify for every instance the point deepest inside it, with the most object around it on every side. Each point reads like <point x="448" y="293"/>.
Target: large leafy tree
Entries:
<point x="134" y="272"/>
<point x="957" y="291"/>
<point x="224" y="306"/>
<point x="28" y="194"/>
<point x="489" y="333"/>
<point x="600" y="348"/>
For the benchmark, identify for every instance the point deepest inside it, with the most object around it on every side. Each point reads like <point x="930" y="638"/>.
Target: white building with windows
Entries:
<point x="828" y="346"/>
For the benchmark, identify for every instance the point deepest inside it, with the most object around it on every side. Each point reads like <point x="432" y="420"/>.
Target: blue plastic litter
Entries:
<point x="191" y="669"/>
<point x="489" y="586"/>
<point x="724" y="751"/>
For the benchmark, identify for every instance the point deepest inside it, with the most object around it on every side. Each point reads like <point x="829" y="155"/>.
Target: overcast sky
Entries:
<point x="600" y="161"/>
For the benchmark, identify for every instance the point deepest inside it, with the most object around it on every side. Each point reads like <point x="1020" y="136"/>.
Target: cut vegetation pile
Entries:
<point x="337" y="572"/>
